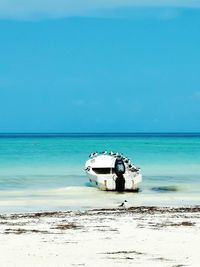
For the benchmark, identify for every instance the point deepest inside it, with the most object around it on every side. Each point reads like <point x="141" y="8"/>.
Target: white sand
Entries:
<point x="133" y="237"/>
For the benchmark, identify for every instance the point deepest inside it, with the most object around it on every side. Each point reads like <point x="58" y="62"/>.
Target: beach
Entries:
<point x="51" y="216"/>
<point x="133" y="236"/>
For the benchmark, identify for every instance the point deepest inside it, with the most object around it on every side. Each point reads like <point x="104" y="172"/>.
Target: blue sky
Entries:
<point x="133" y="66"/>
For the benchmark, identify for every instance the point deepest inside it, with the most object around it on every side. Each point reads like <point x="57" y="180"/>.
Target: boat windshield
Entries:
<point x="103" y="170"/>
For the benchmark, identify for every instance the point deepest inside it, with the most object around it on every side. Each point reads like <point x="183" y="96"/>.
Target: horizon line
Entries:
<point x="67" y="133"/>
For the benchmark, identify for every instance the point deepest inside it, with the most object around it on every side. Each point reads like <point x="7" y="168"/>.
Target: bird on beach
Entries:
<point x="123" y="203"/>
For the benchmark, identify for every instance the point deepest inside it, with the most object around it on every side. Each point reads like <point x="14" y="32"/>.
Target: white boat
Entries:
<point x="112" y="172"/>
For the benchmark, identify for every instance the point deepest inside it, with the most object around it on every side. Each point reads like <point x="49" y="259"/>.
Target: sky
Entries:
<point x="99" y="66"/>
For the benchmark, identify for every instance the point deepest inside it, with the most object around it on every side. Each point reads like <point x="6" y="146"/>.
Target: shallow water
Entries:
<point x="47" y="172"/>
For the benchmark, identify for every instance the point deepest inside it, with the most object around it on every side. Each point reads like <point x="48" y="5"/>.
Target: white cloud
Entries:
<point x="27" y="9"/>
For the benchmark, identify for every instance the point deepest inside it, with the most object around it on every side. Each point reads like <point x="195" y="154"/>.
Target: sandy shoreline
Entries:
<point x="137" y="236"/>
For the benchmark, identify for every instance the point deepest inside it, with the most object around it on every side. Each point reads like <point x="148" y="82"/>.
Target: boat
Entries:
<point x="112" y="172"/>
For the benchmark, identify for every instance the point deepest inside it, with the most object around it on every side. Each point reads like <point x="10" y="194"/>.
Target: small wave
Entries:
<point x="169" y="188"/>
<point x="74" y="189"/>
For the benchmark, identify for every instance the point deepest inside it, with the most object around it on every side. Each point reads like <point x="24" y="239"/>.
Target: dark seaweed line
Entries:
<point x="140" y="210"/>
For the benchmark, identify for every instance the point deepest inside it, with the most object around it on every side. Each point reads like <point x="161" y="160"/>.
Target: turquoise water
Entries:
<point x="39" y="172"/>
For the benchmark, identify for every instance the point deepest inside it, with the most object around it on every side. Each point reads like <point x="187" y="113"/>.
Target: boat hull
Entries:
<point x="107" y="183"/>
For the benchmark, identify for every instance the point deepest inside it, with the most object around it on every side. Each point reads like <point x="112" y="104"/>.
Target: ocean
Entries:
<point x="45" y="172"/>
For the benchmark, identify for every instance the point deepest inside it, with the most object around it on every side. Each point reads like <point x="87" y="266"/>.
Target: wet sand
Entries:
<point x="136" y="236"/>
